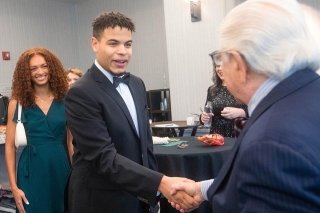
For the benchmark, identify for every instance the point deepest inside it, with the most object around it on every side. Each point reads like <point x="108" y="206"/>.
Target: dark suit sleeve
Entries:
<point x="92" y="140"/>
<point x="270" y="173"/>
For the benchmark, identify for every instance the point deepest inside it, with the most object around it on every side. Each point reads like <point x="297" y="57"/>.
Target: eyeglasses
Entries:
<point x="216" y="57"/>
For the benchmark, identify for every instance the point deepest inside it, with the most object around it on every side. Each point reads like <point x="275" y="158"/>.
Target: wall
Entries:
<point x="188" y="46"/>
<point x="30" y="23"/>
<point x="189" y="43"/>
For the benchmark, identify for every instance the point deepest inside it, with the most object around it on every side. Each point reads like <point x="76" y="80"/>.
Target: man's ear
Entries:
<point x="219" y="73"/>
<point x="241" y="66"/>
<point x="94" y="44"/>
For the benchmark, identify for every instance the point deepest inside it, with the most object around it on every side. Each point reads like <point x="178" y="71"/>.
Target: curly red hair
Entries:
<point x="22" y="86"/>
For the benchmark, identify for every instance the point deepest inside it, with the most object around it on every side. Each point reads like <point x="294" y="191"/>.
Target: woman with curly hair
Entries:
<point x="39" y="85"/>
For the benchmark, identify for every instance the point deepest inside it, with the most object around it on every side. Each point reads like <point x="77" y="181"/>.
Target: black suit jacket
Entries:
<point x="275" y="164"/>
<point x="113" y="166"/>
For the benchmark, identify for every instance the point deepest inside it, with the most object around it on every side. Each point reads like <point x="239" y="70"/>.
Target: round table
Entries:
<point x="197" y="161"/>
<point x="171" y="127"/>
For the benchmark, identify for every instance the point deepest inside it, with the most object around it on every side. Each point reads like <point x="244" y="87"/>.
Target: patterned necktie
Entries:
<point x="124" y="79"/>
<point x="239" y="125"/>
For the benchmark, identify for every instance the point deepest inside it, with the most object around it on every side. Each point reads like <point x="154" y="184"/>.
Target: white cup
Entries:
<point x="190" y="121"/>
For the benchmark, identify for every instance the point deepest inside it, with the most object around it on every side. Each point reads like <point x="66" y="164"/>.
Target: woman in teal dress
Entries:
<point x="39" y="85"/>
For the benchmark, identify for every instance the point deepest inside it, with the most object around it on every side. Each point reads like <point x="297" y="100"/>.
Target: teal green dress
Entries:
<point x="44" y="167"/>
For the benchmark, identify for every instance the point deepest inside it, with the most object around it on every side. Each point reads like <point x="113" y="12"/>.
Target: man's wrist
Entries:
<point x="204" y="186"/>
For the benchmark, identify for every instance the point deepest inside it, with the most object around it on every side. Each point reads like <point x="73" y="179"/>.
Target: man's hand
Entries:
<point x="191" y="188"/>
<point x="173" y="189"/>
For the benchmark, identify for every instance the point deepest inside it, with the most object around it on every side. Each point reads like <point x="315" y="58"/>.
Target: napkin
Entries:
<point x="160" y="140"/>
<point x="166" y="125"/>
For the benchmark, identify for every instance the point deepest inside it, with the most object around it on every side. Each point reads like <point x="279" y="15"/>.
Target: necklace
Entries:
<point x="44" y="98"/>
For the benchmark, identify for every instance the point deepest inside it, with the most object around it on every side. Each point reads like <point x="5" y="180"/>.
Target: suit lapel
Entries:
<point x="108" y="87"/>
<point x="135" y="89"/>
<point x="289" y="85"/>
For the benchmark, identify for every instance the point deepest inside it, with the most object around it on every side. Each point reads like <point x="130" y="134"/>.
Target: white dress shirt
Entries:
<point x="125" y="93"/>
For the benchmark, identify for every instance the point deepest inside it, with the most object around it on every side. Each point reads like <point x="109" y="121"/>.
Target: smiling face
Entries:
<point x="71" y="78"/>
<point x="219" y="72"/>
<point x="39" y="71"/>
<point x="114" y="49"/>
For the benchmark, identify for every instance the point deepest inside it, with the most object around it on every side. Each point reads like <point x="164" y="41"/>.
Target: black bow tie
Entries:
<point x="239" y="125"/>
<point x="124" y="79"/>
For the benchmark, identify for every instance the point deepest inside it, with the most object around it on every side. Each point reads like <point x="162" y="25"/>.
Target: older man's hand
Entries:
<point x="192" y="189"/>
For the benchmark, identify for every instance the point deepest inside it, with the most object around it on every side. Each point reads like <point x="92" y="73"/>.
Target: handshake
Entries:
<point x="183" y="194"/>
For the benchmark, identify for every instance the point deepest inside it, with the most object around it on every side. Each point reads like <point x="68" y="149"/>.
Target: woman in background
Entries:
<point x="73" y="75"/>
<point x="224" y="106"/>
<point x="39" y="85"/>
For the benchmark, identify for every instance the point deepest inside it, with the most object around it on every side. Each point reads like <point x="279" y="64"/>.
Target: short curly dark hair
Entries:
<point x="106" y="20"/>
<point x="22" y="87"/>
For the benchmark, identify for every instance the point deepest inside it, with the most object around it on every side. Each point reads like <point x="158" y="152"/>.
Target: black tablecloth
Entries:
<point x="198" y="162"/>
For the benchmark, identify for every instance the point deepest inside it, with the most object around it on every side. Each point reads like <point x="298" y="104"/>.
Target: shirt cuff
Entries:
<point x="204" y="185"/>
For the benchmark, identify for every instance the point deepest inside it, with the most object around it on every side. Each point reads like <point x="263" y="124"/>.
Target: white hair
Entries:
<point x="272" y="35"/>
<point x="313" y="23"/>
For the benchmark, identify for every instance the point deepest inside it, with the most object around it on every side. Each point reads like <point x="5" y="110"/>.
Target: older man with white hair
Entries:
<point x="268" y="58"/>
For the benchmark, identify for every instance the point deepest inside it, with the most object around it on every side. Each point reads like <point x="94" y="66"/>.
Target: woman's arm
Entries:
<point x="10" y="157"/>
<point x="10" y="149"/>
<point x="69" y="144"/>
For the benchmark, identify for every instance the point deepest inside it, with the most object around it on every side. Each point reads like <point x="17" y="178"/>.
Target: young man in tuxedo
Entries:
<point x="114" y="169"/>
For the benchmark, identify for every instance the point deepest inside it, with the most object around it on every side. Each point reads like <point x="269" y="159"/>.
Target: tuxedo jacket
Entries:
<point x="114" y="168"/>
<point x="275" y="165"/>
